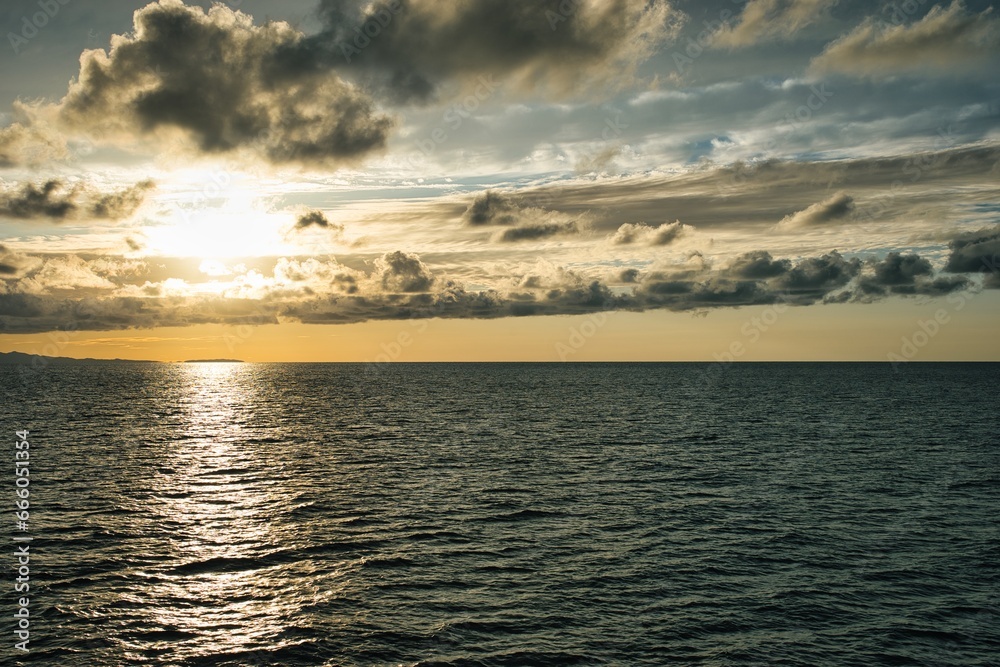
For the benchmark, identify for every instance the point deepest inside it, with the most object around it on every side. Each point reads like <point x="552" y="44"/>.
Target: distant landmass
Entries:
<point x="20" y="358"/>
<point x="214" y="361"/>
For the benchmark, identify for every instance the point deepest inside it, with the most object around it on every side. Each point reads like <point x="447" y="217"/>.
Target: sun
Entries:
<point x="213" y="214"/>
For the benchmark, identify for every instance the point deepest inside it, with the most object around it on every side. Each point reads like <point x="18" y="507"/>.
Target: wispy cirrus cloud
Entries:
<point x="951" y="39"/>
<point x="763" y="20"/>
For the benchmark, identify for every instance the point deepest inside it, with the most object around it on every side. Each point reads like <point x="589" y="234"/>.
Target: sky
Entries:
<point x="500" y="180"/>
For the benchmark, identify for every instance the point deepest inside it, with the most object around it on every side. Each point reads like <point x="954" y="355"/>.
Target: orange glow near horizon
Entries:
<point x="798" y="334"/>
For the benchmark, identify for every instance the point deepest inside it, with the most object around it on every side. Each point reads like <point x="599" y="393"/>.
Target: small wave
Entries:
<point x="386" y="563"/>
<point x="523" y="515"/>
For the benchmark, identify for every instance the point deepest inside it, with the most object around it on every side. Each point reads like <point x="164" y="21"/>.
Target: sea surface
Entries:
<point x="506" y="514"/>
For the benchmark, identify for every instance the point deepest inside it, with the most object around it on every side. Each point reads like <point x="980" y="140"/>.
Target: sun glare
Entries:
<point x="227" y="218"/>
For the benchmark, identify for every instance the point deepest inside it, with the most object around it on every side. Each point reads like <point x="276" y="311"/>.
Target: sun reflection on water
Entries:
<point x="222" y="591"/>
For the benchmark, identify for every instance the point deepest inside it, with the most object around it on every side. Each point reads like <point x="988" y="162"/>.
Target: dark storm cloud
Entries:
<point x="57" y="200"/>
<point x="412" y="46"/>
<point x="213" y="77"/>
<point x="975" y="252"/>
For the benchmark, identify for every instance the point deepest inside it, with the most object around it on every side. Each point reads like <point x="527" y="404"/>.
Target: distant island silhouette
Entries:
<point x="21" y="358"/>
<point x="38" y="359"/>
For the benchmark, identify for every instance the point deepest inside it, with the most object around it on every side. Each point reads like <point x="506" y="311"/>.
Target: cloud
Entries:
<point x="316" y="275"/>
<point x="44" y="201"/>
<point x="758" y="265"/>
<point x="58" y="200"/>
<point x="754" y="278"/>
<point x="814" y="278"/>
<point x="770" y="19"/>
<point x="212" y="82"/>
<point x="907" y="275"/>
<point x="403" y="272"/>
<point x="975" y="252"/>
<point x="645" y="234"/>
<point x="30" y="140"/>
<point x="534" y="231"/>
<point x="492" y="208"/>
<point x="836" y="207"/>
<point x="525" y="223"/>
<point x="121" y="204"/>
<point x="944" y="40"/>
<point x="220" y="83"/>
<point x="13" y="264"/>
<point x="411" y="48"/>
<point x="756" y="197"/>
<point x="751" y="279"/>
<point x="69" y="272"/>
<point x="102" y="294"/>
<point x="316" y="219"/>
<point x="599" y="162"/>
<point x="899" y="269"/>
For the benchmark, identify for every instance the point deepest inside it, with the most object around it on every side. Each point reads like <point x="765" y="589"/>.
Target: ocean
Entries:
<point x="504" y="514"/>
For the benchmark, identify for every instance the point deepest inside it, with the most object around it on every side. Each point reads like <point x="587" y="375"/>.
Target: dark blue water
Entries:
<point x="625" y="514"/>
